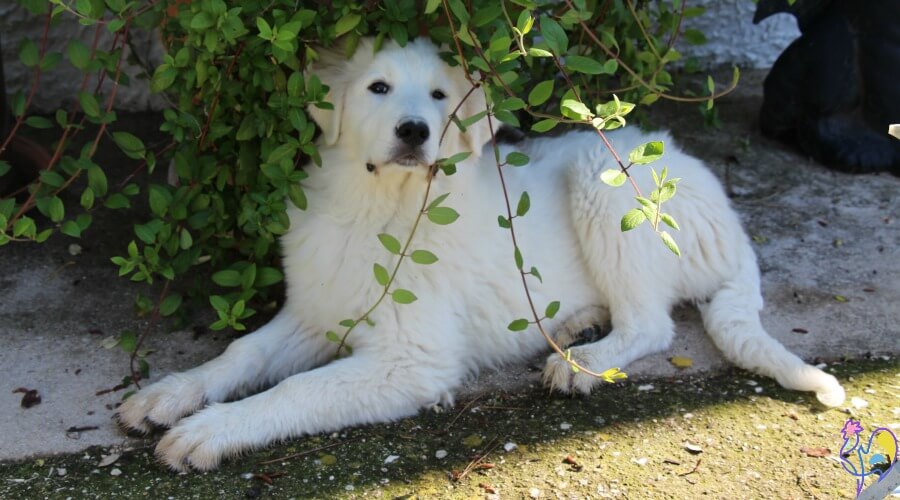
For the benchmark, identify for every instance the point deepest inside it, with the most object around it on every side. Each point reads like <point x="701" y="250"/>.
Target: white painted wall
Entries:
<point x="733" y="39"/>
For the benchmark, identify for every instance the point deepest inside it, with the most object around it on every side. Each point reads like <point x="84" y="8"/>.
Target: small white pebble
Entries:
<point x="646" y="387"/>
<point x="74" y="249"/>
<point x="761" y="427"/>
<point x="440" y="454"/>
<point x="688" y="416"/>
<point x="510" y="447"/>
<point x="758" y="390"/>
<point x="115" y="472"/>
<point x="599" y="420"/>
<point x="61" y="471"/>
<point x="565" y="426"/>
<point x="349" y="487"/>
<point x="247" y="475"/>
<point x="391" y="459"/>
<point x="534" y="493"/>
<point x="858" y="403"/>
<point x="869" y="391"/>
<point x="640" y="461"/>
<point x="752" y="383"/>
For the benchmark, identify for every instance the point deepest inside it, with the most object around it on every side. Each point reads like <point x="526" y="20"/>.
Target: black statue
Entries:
<point x="835" y="90"/>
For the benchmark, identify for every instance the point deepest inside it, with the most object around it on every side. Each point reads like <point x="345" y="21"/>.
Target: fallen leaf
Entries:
<point x="487" y="488"/>
<point x="800" y="330"/>
<point x="681" y="362"/>
<point x="30" y="397"/>
<point x="815" y="451"/>
<point x="328" y="459"/>
<point x="108" y="460"/>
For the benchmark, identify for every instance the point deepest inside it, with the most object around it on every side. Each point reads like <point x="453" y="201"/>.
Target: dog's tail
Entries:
<point x="731" y="317"/>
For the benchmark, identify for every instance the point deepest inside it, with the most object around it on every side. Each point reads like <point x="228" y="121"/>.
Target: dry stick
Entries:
<point x="468" y="405"/>
<point x="307" y="452"/>
<point x="522" y="274"/>
<point x="474" y="463"/>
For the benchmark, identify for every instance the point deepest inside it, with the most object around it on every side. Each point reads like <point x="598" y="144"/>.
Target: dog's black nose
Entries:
<point x="412" y="133"/>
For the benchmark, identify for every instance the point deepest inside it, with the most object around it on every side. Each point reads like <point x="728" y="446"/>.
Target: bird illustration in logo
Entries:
<point x="875" y="458"/>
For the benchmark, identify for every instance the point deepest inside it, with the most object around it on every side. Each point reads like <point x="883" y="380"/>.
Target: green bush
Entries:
<point x="240" y="133"/>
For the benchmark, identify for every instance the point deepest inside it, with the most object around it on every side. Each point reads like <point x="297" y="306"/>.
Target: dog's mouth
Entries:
<point x="409" y="158"/>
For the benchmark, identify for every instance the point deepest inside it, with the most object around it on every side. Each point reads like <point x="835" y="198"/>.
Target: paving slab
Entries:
<point x="827" y="244"/>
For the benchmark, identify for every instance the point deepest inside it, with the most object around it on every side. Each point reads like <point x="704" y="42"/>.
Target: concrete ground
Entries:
<point x="827" y="244"/>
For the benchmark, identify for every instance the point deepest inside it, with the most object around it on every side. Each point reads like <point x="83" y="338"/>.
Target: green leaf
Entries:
<point x="694" y="36"/>
<point x="202" y="20"/>
<point x="55" y="209"/>
<point x="437" y="201"/>
<point x="89" y="104"/>
<point x="28" y="54"/>
<point x="297" y="196"/>
<point x="669" y="221"/>
<point x="402" y="296"/>
<point x="332" y="337"/>
<point x="613" y="177"/>
<point x="432" y="6"/>
<point x="510" y="104"/>
<point x="517" y="255"/>
<point x="228" y="277"/>
<point x="381" y="274"/>
<point x="554" y="35"/>
<point x="646" y="153"/>
<point x="87" y="198"/>
<point x="536" y="52"/>
<point x="38" y="122"/>
<point x="540" y="93"/>
<point x="70" y="228"/>
<point x="248" y="276"/>
<point x="5" y="167"/>
<point x="130" y="144"/>
<point x="552" y="309"/>
<point x="268" y="276"/>
<point x="458" y="157"/>
<point x="346" y="23"/>
<point x="575" y="109"/>
<point x="544" y="125"/>
<point x="534" y="272"/>
<point x="517" y="159"/>
<point x="584" y="65"/>
<point x="524" y="204"/>
<point x="423" y="257"/>
<point x="128" y="341"/>
<point x="442" y="215"/>
<point x="185" y="240"/>
<point x="518" y="325"/>
<point x="117" y="200"/>
<point x="525" y="22"/>
<point x="670" y="243"/>
<point x="265" y="31"/>
<point x="170" y="304"/>
<point x="632" y="219"/>
<point x="390" y="243"/>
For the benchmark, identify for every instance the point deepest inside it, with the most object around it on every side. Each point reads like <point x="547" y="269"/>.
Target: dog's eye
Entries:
<point x="379" y="88"/>
<point x="438" y="94"/>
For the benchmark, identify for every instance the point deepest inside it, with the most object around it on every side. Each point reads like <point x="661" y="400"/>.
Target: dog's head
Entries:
<point x="392" y="106"/>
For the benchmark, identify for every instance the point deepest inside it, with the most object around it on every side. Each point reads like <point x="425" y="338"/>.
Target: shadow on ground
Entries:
<point x="735" y="435"/>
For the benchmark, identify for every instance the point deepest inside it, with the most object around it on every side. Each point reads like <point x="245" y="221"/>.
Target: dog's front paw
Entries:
<point x="161" y="404"/>
<point x="199" y="442"/>
<point x="559" y="375"/>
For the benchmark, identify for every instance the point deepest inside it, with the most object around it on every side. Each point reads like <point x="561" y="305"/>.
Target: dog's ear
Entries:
<point x="330" y="70"/>
<point x="478" y="133"/>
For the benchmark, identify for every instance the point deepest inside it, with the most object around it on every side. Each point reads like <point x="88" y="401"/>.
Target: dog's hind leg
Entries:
<point x="367" y="387"/>
<point x="731" y="317"/>
<point x="640" y="326"/>
<point x="262" y="358"/>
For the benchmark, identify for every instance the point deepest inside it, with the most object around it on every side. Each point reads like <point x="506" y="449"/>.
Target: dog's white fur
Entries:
<point x="416" y="355"/>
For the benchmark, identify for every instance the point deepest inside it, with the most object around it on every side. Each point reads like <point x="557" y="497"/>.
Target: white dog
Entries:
<point x="377" y="144"/>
